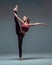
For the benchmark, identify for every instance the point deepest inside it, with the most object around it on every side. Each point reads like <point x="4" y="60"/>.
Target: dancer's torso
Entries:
<point x="24" y="28"/>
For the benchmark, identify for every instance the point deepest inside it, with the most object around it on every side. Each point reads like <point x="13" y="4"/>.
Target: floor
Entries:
<point x="28" y="59"/>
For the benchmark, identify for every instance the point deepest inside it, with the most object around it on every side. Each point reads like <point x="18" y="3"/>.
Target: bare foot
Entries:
<point x="20" y="58"/>
<point x="16" y="8"/>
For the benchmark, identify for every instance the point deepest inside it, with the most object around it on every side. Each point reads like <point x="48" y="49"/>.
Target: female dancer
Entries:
<point x="23" y="28"/>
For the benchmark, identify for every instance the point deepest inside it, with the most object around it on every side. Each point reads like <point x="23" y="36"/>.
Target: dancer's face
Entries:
<point x="26" y="19"/>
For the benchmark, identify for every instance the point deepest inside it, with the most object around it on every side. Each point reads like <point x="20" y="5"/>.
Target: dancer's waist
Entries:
<point x="24" y="32"/>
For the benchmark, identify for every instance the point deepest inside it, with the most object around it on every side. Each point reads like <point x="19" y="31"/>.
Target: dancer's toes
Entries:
<point x="16" y="8"/>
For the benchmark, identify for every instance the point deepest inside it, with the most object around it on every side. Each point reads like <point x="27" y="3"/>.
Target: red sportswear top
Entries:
<point x="25" y="27"/>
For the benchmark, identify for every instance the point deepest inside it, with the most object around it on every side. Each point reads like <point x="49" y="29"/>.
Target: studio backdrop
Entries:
<point x="38" y="39"/>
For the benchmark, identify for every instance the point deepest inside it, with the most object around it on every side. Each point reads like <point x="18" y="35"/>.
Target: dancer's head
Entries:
<point x="26" y="19"/>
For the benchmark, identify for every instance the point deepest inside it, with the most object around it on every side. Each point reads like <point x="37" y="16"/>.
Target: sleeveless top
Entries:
<point x="25" y="27"/>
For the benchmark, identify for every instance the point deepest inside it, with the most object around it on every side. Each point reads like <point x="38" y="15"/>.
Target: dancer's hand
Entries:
<point x="44" y="24"/>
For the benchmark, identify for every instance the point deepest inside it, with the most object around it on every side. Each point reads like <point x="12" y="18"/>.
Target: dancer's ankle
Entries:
<point x="20" y="58"/>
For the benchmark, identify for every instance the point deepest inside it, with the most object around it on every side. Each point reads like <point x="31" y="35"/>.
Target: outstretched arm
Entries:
<point x="36" y="24"/>
<point x="15" y="14"/>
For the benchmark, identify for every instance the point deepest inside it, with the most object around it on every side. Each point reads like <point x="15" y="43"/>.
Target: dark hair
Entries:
<point x="28" y="20"/>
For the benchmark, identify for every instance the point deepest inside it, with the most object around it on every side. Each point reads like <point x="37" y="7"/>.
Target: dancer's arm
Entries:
<point x="15" y="14"/>
<point x="36" y="24"/>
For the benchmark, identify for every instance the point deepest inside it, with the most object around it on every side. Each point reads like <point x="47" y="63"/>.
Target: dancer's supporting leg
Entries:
<point x="20" y="37"/>
<point x="20" y="41"/>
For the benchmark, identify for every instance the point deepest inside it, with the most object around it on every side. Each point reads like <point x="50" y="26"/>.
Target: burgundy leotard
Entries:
<point x="25" y="27"/>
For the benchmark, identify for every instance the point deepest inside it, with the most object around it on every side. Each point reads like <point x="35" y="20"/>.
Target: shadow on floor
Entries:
<point x="30" y="58"/>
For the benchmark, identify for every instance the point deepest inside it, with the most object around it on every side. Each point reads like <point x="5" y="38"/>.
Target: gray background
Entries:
<point x="38" y="39"/>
